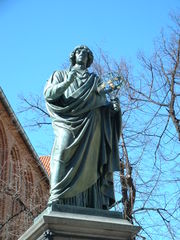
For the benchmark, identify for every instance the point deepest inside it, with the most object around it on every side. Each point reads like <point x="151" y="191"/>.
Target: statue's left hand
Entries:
<point x="115" y="104"/>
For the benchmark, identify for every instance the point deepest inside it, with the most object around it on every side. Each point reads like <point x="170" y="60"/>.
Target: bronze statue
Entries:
<point x="87" y="129"/>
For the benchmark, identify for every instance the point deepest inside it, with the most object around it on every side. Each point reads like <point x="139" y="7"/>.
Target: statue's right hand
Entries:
<point x="71" y="76"/>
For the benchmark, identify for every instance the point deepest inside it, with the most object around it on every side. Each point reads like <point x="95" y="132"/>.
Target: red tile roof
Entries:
<point x="46" y="163"/>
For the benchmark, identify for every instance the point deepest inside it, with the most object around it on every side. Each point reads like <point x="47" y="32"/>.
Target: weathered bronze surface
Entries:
<point x="87" y="129"/>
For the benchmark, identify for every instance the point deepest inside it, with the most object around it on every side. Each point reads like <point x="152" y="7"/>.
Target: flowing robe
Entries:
<point x="85" y="152"/>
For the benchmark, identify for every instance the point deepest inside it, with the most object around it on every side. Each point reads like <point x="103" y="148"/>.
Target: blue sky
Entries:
<point x="36" y="37"/>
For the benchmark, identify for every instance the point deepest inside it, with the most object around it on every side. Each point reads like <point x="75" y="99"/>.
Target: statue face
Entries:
<point x="81" y="56"/>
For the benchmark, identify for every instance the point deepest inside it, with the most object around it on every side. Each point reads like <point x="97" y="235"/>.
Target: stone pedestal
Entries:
<point x="67" y="222"/>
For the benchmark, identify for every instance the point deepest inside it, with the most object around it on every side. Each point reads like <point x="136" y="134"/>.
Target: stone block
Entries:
<point x="75" y="223"/>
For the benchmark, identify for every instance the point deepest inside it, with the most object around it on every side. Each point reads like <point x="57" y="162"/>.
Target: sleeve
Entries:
<point x="55" y="86"/>
<point x="100" y="86"/>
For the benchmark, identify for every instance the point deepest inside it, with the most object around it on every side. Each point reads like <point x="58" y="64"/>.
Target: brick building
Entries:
<point x="24" y="181"/>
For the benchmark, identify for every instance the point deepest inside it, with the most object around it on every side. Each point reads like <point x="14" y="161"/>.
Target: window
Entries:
<point x="3" y="154"/>
<point x="14" y="170"/>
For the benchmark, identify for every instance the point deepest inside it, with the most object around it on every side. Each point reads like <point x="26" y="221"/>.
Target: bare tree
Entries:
<point x="148" y="183"/>
<point x="153" y="141"/>
<point x="19" y="199"/>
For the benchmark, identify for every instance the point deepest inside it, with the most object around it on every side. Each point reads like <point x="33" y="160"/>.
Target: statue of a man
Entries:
<point x="87" y="130"/>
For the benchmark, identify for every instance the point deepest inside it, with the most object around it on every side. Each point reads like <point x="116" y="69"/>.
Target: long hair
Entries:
<point x="73" y="57"/>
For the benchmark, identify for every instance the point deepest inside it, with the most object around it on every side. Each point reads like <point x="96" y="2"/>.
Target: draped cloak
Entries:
<point x="93" y="153"/>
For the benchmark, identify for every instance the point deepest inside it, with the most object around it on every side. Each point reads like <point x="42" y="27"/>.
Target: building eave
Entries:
<point x="21" y="131"/>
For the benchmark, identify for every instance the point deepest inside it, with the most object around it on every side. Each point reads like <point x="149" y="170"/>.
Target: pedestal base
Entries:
<point x="67" y="222"/>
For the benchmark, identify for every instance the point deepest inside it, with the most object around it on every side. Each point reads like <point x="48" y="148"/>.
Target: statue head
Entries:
<point x="89" y="52"/>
